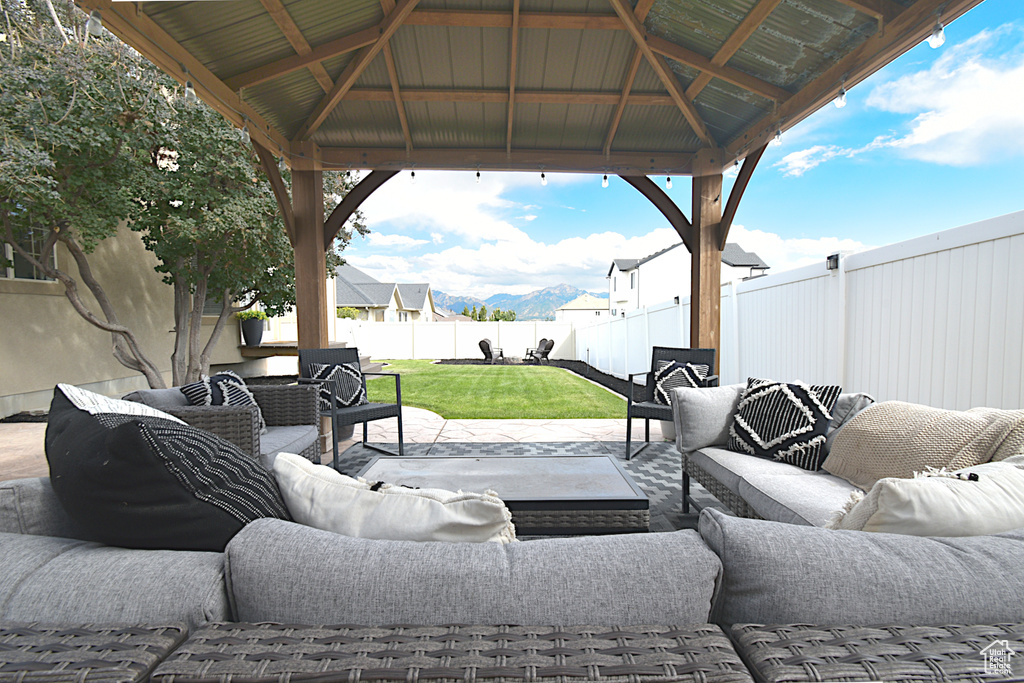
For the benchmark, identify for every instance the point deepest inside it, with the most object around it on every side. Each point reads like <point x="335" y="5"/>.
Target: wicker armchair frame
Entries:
<point x="281" y="406"/>
<point x="646" y="408"/>
<point x="731" y="500"/>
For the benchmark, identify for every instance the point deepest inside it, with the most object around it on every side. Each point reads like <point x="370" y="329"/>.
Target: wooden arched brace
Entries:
<point x="352" y="201"/>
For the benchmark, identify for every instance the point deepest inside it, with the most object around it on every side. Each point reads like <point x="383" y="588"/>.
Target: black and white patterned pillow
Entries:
<point x="784" y="421"/>
<point x="144" y="481"/>
<point x="223" y="389"/>
<point x="669" y="374"/>
<point x="348" y="384"/>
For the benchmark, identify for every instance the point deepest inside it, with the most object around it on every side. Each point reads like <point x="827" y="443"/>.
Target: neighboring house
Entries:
<point x="382" y="301"/>
<point x="443" y="315"/>
<point x="654" y="279"/>
<point x="584" y="309"/>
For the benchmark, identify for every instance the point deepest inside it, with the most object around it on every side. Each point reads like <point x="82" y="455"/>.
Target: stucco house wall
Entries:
<point x="44" y="341"/>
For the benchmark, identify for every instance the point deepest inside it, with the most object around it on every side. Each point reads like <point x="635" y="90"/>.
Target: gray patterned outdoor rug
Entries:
<point x="656" y="469"/>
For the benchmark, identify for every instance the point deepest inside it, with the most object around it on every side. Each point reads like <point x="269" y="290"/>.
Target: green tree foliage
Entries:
<point x="91" y="134"/>
<point x="482" y="313"/>
<point x="497" y="315"/>
<point x="465" y="311"/>
<point x="472" y="314"/>
<point x="348" y="312"/>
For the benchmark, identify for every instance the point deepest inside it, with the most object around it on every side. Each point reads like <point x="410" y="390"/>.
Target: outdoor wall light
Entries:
<point x="543" y="178"/>
<point x="832" y="262"/>
<point x="668" y="182"/>
<point x="94" y="24"/>
<point x="938" y="36"/>
<point x="604" y="180"/>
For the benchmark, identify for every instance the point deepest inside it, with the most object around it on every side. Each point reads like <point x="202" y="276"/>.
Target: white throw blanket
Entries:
<point x="896" y="439"/>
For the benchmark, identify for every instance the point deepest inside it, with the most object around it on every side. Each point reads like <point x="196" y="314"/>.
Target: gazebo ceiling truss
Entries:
<point x="659" y="87"/>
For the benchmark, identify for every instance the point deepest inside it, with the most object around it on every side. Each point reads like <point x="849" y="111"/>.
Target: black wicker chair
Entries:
<point x="646" y="407"/>
<point x="491" y="353"/>
<point x="365" y="413"/>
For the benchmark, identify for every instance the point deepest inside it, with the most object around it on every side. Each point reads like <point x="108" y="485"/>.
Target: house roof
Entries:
<point x="585" y="302"/>
<point x="356" y="289"/>
<point x="597" y="86"/>
<point x="732" y="255"/>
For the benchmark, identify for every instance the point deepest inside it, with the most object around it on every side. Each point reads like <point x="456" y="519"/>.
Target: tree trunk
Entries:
<point x="182" y="310"/>
<point x="211" y="343"/>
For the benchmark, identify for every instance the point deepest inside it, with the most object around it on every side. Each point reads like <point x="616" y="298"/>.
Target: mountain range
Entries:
<point x="537" y="305"/>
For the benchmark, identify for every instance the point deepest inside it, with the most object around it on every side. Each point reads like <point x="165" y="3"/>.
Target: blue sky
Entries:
<point x="933" y="141"/>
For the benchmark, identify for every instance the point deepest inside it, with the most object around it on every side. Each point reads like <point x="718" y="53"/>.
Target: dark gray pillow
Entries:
<point x="776" y="573"/>
<point x="161" y="399"/>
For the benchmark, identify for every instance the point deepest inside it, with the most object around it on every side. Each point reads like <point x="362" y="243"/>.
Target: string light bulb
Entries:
<point x="412" y="177"/>
<point x="543" y="178"/>
<point x="604" y="180"/>
<point x="94" y="24"/>
<point x="777" y="140"/>
<point x="938" y="36"/>
<point x="244" y="134"/>
<point x="840" y="100"/>
<point x="668" y="182"/>
<point x="478" y="177"/>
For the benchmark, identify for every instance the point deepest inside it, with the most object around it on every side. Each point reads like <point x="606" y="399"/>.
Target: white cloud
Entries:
<point x="967" y="109"/>
<point x="788" y="253"/>
<point x="436" y="237"/>
<point x="376" y="239"/>
<point x="529" y="217"/>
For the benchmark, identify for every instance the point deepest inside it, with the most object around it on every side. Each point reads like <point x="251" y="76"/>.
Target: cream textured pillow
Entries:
<point x="940" y="504"/>
<point x="896" y="439"/>
<point x="320" y="497"/>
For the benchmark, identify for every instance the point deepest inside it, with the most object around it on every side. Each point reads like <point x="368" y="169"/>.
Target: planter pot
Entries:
<point x="252" y="332"/>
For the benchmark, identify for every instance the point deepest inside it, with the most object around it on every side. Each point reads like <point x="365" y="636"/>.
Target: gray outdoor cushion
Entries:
<point x="289" y="439"/>
<point x="703" y="416"/>
<point x="729" y="467"/>
<point x="777" y="573"/>
<point x="799" y="497"/>
<point x="29" y="506"/>
<point x="846" y="407"/>
<point x="281" y="571"/>
<point x="64" y="581"/>
<point x="161" y="399"/>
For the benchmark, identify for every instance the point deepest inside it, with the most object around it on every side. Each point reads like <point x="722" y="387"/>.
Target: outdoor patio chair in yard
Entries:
<point x="342" y="395"/>
<point x="540" y="353"/>
<point x="491" y="353"/>
<point x="668" y="370"/>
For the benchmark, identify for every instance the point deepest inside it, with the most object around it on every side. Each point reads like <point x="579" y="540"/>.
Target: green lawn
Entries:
<point x="496" y="391"/>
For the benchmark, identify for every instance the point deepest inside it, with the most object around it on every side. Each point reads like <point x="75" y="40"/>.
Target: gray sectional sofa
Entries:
<point x="732" y="573"/>
<point x="749" y="486"/>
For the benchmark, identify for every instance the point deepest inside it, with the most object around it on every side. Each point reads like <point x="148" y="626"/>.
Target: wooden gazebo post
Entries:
<point x="706" y="251"/>
<point x="310" y="252"/>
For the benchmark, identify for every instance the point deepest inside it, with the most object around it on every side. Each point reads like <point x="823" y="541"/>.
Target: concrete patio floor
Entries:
<point x="22" y="451"/>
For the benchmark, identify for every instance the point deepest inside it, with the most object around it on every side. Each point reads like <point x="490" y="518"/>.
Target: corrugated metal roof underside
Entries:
<point x="729" y="109"/>
<point x="560" y="126"/>
<point x="457" y="124"/>
<point x="436" y="57"/>
<point x="587" y="60"/>
<point x="362" y="124"/>
<point x="286" y="102"/>
<point x="654" y="129"/>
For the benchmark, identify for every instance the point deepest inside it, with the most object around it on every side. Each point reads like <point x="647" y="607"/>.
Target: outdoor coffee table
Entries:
<point x="549" y="494"/>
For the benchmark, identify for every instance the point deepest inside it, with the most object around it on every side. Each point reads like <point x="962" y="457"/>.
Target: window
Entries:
<point x="615" y="284"/>
<point x="597" y="313"/>
<point x="20" y="268"/>
<point x="403" y="316"/>
<point x="632" y="280"/>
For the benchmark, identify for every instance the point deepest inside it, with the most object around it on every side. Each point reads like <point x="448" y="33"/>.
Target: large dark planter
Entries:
<point x="252" y="331"/>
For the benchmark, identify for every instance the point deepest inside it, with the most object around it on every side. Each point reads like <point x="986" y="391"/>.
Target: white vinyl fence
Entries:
<point x="937" y="320"/>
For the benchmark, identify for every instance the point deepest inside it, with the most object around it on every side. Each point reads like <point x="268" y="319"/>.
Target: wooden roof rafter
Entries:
<point x="298" y="41"/>
<point x="389" y="61"/>
<point x="493" y="96"/>
<point x="513" y="60"/>
<point x="661" y="68"/>
<point x="355" y="69"/>
<point x="642" y="9"/>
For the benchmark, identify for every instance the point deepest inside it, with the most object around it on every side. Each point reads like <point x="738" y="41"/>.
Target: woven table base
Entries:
<point x="84" y="654"/>
<point x="780" y="654"/>
<point x="241" y="652"/>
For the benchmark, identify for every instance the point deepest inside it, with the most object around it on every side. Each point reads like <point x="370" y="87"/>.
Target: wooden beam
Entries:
<point x="501" y="97"/>
<point x="355" y="69"/>
<point x="746" y="28"/>
<point x="908" y="29"/>
<point x="298" y="42"/>
<point x="634" y="66"/>
<point x="488" y="19"/>
<point x="351" y="203"/>
<point x="284" y="201"/>
<point x="668" y="79"/>
<point x="885" y="10"/>
<point x="643" y="7"/>
<point x="736" y="194"/>
<point x="497" y="159"/>
<point x="310" y="261"/>
<point x="513" y="62"/>
<point x="664" y="203"/>
<point x="132" y="26"/>
<point x="706" y="265"/>
<point x="389" y="61"/>
<point x="281" y="67"/>
<point x="728" y="74"/>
